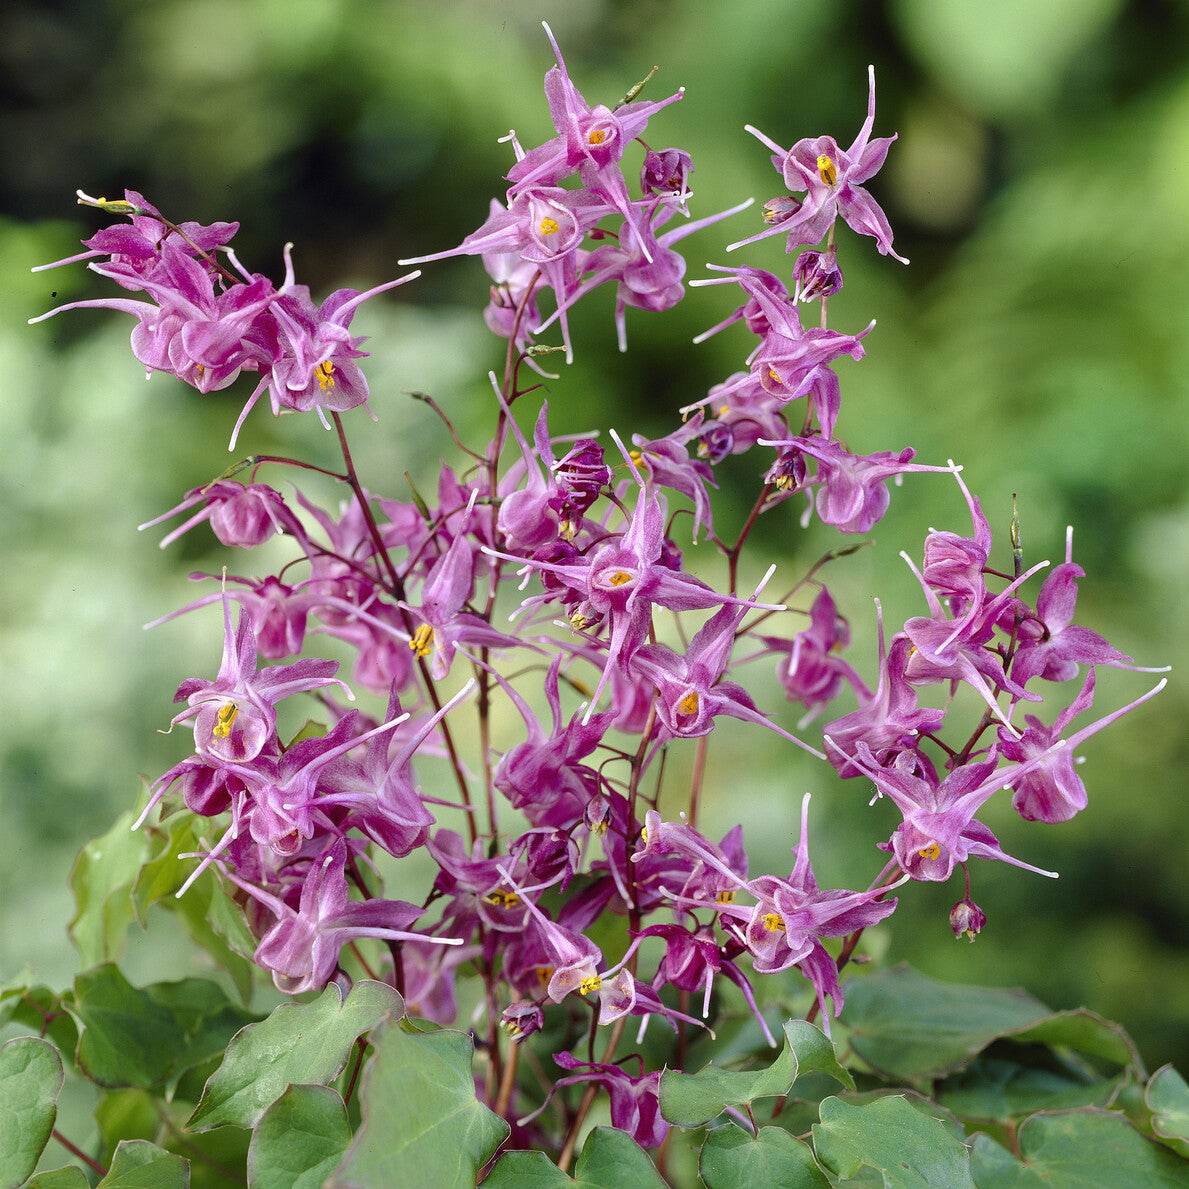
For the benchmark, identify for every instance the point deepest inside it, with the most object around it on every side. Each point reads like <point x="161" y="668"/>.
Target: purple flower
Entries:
<point x="813" y="672"/>
<point x="233" y="715"/>
<point x="240" y="515"/>
<point x="891" y="722"/>
<point x="832" y="180"/>
<point x="1051" y="646"/>
<point x="852" y="488"/>
<point x="1048" y="788"/>
<point x="590" y="141"/>
<point x="301" y="949"/>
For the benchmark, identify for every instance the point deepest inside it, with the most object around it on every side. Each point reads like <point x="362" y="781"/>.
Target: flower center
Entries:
<point x="597" y="136"/>
<point x="226" y="716"/>
<point x="827" y="170"/>
<point x="591" y="983"/>
<point x="502" y="899"/>
<point x="620" y="577"/>
<point x="688" y="704"/>
<point x="325" y="373"/>
<point x="727" y="897"/>
<point x="932" y="851"/>
<point x="773" y="922"/>
<point x="422" y="641"/>
<point x="549" y="226"/>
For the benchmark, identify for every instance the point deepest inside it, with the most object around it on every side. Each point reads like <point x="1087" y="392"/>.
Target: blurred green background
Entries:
<point x="1040" y="188"/>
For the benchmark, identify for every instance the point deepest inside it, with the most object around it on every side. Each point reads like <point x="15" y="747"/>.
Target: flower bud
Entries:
<point x="816" y="274"/>
<point x="522" y="1019"/>
<point x="789" y="471"/>
<point x="967" y="918"/>
<point x="784" y="206"/>
<point x="666" y="172"/>
<point x="716" y="442"/>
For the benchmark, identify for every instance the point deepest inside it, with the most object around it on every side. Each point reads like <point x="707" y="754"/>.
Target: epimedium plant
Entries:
<point x="533" y="645"/>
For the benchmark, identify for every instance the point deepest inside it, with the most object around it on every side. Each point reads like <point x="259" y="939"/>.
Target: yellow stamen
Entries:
<point x="727" y="897"/>
<point x="544" y="974"/>
<point x="773" y="922"/>
<point x="502" y="899"/>
<point x="422" y="641"/>
<point x="688" y="704"/>
<point x="549" y="226"/>
<point x="597" y="136"/>
<point x="226" y="716"/>
<point x="932" y="851"/>
<point x="827" y="170"/>
<point x="772" y="373"/>
<point x="620" y="577"/>
<point x="512" y="1027"/>
<point x="325" y="373"/>
<point x="587" y="985"/>
<point x="579" y="622"/>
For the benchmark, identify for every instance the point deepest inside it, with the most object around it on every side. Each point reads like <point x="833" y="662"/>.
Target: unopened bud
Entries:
<point x="783" y="206"/>
<point x="966" y="918"/>
<point x="523" y="1019"/>
<point x="816" y="274"/>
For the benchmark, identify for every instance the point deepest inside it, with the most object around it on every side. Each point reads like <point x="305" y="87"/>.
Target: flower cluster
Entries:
<point x="205" y="324"/>
<point x="557" y="823"/>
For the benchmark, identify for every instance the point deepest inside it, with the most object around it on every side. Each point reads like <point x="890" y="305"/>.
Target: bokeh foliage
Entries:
<point x="1039" y="337"/>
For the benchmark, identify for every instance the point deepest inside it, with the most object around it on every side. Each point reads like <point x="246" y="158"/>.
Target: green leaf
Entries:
<point x="11" y="992"/>
<point x="909" y="1027"/>
<point x="1085" y="1031"/>
<point x="30" y="1077"/>
<point x="101" y="880"/>
<point x="206" y="1016"/>
<point x="127" y="1039"/>
<point x="215" y="922"/>
<point x="909" y="1149"/>
<point x="70" y="1177"/>
<point x="1087" y="1149"/>
<point x="526" y="1170"/>
<point x="127" y="1114"/>
<point x="1167" y="1097"/>
<point x="299" y="1140"/>
<point x="299" y="1044"/>
<point x="138" y="1164"/>
<point x="151" y="1036"/>
<point x="39" y="1010"/>
<point x="1018" y="1081"/>
<point x="694" y="1099"/>
<point x="211" y="917"/>
<point x="420" y="1112"/>
<point x="733" y="1159"/>
<point x="609" y="1159"/>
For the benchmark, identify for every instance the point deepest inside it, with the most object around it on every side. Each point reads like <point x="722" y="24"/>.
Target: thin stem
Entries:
<point x="78" y="1153"/>
<point x="699" y="773"/>
<point x="508" y="1082"/>
<point x="749" y="524"/>
<point x="361" y="1045"/>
